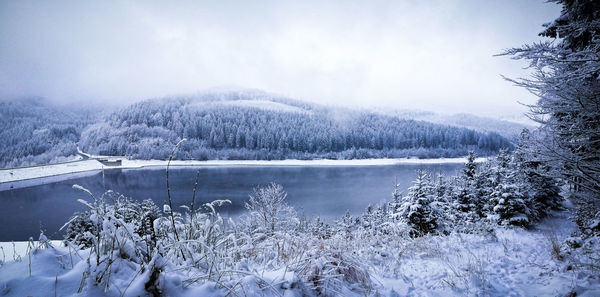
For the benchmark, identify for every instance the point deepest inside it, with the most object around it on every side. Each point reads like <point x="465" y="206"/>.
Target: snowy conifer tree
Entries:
<point x="512" y="208"/>
<point x="535" y="178"/>
<point x="463" y="200"/>
<point x="510" y="202"/>
<point x="565" y="78"/>
<point x="544" y="192"/>
<point x="416" y="210"/>
<point x="470" y="167"/>
<point x="347" y="224"/>
<point x="396" y="203"/>
<point x="469" y="199"/>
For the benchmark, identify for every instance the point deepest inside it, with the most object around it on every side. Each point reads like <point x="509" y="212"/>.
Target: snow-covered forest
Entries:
<point x="239" y="125"/>
<point x="34" y="131"/>
<point x="254" y="125"/>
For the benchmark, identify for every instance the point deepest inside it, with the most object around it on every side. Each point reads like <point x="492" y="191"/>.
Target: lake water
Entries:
<point x="326" y="191"/>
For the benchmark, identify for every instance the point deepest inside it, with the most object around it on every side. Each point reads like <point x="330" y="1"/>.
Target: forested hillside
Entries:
<point x="241" y="124"/>
<point x="34" y="131"/>
<point x="256" y="125"/>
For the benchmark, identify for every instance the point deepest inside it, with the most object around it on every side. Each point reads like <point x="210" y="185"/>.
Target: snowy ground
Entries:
<point x="506" y="262"/>
<point x="21" y="177"/>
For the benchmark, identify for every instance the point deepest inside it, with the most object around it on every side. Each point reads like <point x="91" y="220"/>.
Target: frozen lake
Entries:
<point x="325" y="191"/>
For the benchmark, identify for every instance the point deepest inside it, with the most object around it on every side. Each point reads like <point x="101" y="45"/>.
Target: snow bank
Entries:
<point x="10" y="251"/>
<point x="34" y="172"/>
<point x="292" y="162"/>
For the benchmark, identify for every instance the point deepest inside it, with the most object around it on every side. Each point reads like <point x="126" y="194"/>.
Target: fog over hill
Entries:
<point x="507" y="128"/>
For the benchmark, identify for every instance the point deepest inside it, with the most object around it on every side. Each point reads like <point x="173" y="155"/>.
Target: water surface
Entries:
<point x="326" y="191"/>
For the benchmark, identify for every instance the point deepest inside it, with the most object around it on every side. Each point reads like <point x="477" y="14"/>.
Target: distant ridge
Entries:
<point x="508" y="129"/>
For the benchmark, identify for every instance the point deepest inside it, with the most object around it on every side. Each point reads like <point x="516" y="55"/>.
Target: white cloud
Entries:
<point x="434" y="55"/>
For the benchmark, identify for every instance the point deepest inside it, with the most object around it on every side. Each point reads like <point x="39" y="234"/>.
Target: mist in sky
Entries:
<point x="430" y="55"/>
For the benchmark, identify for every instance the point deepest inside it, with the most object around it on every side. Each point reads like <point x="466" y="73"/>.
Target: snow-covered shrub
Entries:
<point x="328" y="271"/>
<point x="80" y="229"/>
<point x="587" y="215"/>
<point x="113" y="239"/>
<point x="268" y="210"/>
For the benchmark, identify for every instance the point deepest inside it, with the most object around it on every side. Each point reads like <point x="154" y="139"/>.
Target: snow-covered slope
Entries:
<point x="262" y="104"/>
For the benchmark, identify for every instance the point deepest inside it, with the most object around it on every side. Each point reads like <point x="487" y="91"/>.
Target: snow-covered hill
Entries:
<point x="240" y="124"/>
<point x="250" y="124"/>
<point x="262" y="104"/>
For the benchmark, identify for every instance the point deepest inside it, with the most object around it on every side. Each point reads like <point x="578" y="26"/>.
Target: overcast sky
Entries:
<point x="430" y="55"/>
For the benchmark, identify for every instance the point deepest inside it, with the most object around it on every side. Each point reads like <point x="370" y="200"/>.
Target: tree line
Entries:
<point x="565" y="74"/>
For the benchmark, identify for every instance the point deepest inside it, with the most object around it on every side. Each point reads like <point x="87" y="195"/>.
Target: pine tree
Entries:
<point x="463" y="200"/>
<point x="512" y="207"/>
<point x="464" y="206"/>
<point x="565" y="78"/>
<point x="499" y="171"/>
<point x="441" y="204"/>
<point x="320" y="229"/>
<point x="440" y="188"/>
<point x="347" y="224"/>
<point x="416" y="210"/>
<point x="80" y="229"/>
<point x="367" y="217"/>
<point x="470" y="167"/>
<point x="468" y="197"/>
<point x="544" y="193"/>
<point x="484" y="187"/>
<point x="535" y="178"/>
<point x="396" y="203"/>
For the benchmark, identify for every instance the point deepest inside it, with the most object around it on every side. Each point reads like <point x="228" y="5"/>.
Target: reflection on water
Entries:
<point x="317" y="190"/>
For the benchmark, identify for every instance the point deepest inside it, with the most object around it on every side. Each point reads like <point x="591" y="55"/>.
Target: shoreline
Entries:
<point x="14" y="178"/>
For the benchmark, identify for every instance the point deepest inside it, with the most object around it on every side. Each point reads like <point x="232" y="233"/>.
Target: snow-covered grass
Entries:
<point x="502" y="262"/>
<point x="505" y="262"/>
